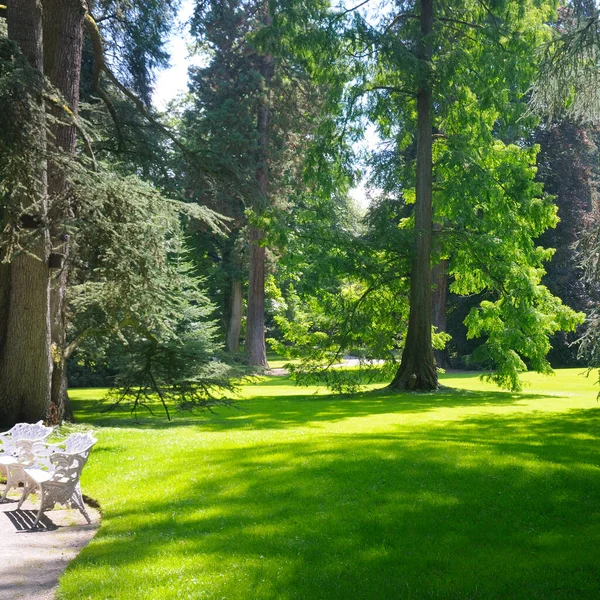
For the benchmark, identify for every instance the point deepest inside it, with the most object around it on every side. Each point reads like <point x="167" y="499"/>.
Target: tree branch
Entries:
<point x="100" y="66"/>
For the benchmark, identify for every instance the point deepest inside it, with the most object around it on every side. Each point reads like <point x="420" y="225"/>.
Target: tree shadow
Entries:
<point x="502" y="506"/>
<point x="281" y="412"/>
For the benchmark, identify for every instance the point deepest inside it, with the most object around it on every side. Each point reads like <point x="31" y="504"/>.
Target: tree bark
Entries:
<point x="255" y="347"/>
<point x="235" y="317"/>
<point x="25" y="364"/>
<point x="4" y="308"/>
<point x="417" y="368"/>
<point x="255" y="326"/>
<point x="63" y="43"/>
<point x="440" y="295"/>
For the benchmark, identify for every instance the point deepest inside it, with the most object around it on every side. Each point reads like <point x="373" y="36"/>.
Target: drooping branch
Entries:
<point x="74" y="121"/>
<point x="100" y="66"/>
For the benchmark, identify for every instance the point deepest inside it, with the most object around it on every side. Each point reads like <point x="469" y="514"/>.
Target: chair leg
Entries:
<point x="26" y="491"/>
<point x="39" y="515"/>
<point x="11" y="482"/>
<point x="77" y="499"/>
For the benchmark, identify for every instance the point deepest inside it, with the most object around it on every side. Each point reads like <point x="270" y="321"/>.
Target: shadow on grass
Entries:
<point x="485" y="507"/>
<point x="297" y="410"/>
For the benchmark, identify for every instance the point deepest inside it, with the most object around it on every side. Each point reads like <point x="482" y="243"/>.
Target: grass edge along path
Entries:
<point x="466" y="493"/>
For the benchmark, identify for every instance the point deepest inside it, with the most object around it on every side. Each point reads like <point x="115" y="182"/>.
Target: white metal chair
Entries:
<point x="9" y="440"/>
<point x="55" y="471"/>
<point x="30" y="454"/>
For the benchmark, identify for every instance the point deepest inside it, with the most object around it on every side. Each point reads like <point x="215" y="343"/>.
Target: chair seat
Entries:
<point x="38" y="475"/>
<point x="7" y="460"/>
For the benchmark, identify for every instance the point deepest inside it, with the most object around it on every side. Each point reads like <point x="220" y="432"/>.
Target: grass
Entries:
<point x="465" y="493"/>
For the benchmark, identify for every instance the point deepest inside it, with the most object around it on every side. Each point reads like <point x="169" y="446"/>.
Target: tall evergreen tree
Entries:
<point x="256" y="103"/>
<point x="25" y="363"/>
<point x="445" y="57"/>
<point x="445" y="89"/>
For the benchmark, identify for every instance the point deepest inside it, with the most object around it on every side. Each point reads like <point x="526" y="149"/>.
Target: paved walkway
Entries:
<point x="32" y="562"/>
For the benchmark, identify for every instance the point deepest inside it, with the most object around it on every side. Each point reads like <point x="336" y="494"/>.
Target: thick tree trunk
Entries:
<point x="255" y="323"/>
<point x="417" y="369"/>
<point x="4" y="298"/>
<point x="255" y="326"/>
<point x="63" y="43"/>
<point x="25" y="363"/>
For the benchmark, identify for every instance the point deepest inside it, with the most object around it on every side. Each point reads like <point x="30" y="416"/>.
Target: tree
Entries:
<point x="49" y="213"/>
<point x="225" y="96"/>
<point x="568" y="167"/>
<point x="253" y="101"/>
<point x="417" y="368"/>
<point x="134" y="304"/>
<point x="566" y="89"/>
<point x="463" y="35"/>
<point x="63" y="44"/>
<point x="25" y="363"/>
<point x="487" y="209"/>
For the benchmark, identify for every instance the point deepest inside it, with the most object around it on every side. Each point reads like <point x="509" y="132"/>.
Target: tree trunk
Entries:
<point x="417" y="368"/>
<point x="255" y="326"/>
<point x="63" y="43"/>
<point x="25" y="364"/>
<point x="440" y="295"/>
<point x="4" y="308"/>
<point x="235" y="317"/>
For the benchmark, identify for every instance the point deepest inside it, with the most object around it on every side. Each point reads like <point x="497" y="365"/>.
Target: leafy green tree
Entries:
<point x="487" y="206"/>
<point x="132" y="291"/>
<point x="566" y="89"/>
<point x="568" y="167"/>
<point x="445" y="85"/>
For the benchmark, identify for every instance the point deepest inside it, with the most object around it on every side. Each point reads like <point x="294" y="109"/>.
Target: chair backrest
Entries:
<point x="34" y="431"/>
<point x="68" y="464"/>
<point x="24" y="431"/>
<point x="16" y="428"/>
<point x="79" y="442"/>
<point x="38" y="453"/>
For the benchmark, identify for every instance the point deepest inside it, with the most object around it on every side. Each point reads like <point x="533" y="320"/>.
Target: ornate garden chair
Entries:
<point x="55" y="471"/>
<point x="9" y="439"/>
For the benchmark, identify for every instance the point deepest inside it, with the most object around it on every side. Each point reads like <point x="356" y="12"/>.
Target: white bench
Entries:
<point x="55" y="469"/>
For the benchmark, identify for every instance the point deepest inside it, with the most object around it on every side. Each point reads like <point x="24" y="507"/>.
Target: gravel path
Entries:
<point x="32" y="562"/>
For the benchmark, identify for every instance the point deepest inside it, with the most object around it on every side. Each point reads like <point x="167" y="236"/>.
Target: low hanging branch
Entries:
<point x="74" y="120"/>
<point x="100" y="67"/>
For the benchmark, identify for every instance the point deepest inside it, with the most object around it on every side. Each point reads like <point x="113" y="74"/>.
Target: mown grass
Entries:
<point x="466" y="493"/>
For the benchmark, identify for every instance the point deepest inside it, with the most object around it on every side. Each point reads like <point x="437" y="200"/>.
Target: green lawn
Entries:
<point x="466" y="493"/>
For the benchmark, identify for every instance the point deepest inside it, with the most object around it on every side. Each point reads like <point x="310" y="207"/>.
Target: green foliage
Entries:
<point x="134" y="307"/>
<point x="22" y="151"/>
<point x="489" y="210"/>
<point x="131" y="283"/>
<point x="568" y="77"/>
<point x="136" y="31"/>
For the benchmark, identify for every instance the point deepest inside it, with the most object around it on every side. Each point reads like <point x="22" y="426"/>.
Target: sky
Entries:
<point x="172" y="82"/>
